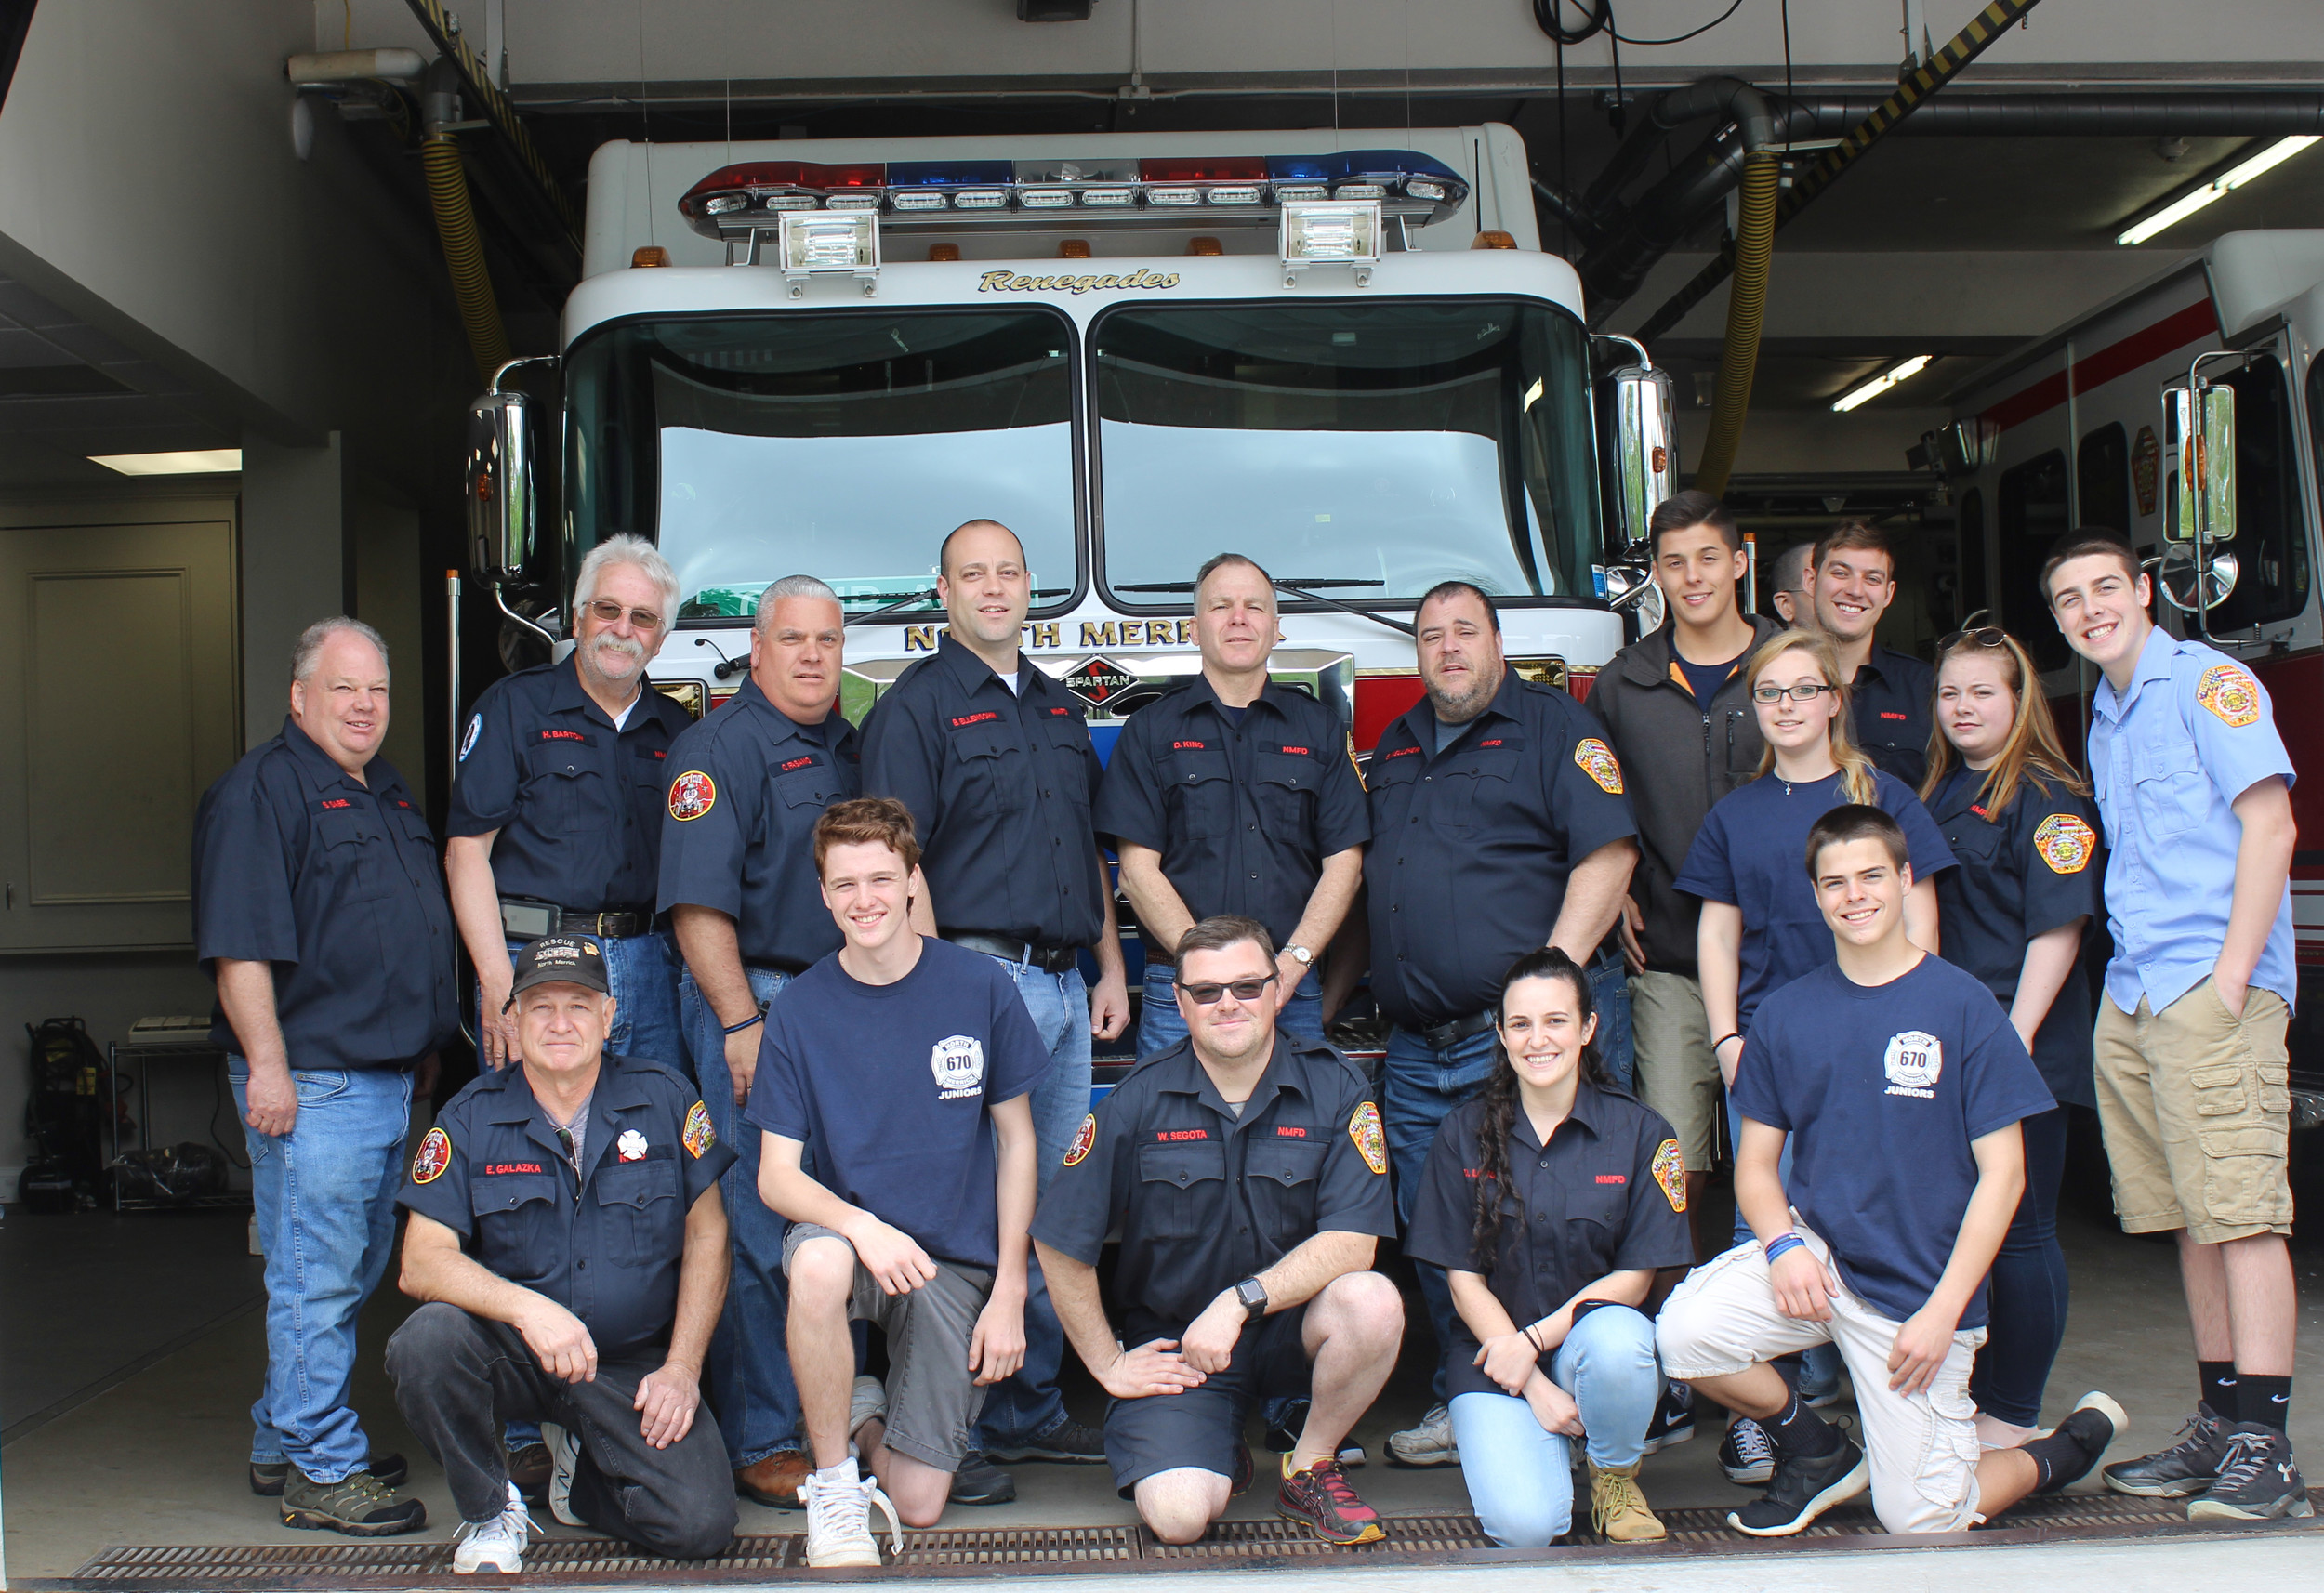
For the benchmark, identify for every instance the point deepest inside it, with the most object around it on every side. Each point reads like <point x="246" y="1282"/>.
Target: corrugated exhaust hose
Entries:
<point x="1747" y="310"/>
<point x="464" y="253"/>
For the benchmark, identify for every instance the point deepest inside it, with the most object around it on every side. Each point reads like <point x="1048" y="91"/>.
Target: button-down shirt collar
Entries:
<point x="2154" y="664"/>
<point x="323" y="772"/>
<point x="1419" y="720"/>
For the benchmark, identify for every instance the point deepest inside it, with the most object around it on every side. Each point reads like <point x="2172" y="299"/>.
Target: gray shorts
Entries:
<point x="933" y="1396"/>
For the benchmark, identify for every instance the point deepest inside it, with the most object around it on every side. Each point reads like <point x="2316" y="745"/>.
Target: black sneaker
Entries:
<point x="2187" y="1467"/>
<point x="1068" y="1444"/>
<point x="266" y="1480"/>
<point x="1745" y="1455"/>
<point x="1803" y="1489"/>
<point x="2258" y="1481"/>
<point x="2091" y="1426"/>
<point x="979" y="1481"/>
<point x="1283" y="1435"/>
<point x="1675" y="1418"/>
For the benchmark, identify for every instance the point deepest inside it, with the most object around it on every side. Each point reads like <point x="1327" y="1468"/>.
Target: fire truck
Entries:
<point x="2188" y="413"/>
<point x="1352" y="363"/>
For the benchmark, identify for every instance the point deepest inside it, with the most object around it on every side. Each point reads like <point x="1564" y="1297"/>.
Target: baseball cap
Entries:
<point x="560" y="959"/>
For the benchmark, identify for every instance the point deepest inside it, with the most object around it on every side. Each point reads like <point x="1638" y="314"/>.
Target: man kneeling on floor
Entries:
<point x="891" y="1066"/>
<point x="530" y="1175"/>
<point x="1249" y="1176"/>
<point x="1903" y="1085"/>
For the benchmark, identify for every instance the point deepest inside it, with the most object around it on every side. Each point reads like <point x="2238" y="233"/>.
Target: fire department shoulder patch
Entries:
<point x="2229" y="694"/>
<point x="1371" y="1140"/>
<point x="2066" y="843"/>
<point x="1597" y="760"/>
<point x="692" y="795"/>
<point x="1670" y="1173"/>
<point x="697" y="1136"/>
<point x="1079" y="1151"/>
<point x="433" y="1156"/>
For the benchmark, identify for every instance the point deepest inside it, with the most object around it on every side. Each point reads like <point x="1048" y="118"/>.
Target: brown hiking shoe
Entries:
<point x="1322" y="1497"/>
<point x="774" y="1481"/>
<point x="1616" y="1508"/>
<point x="359" y="1505"/>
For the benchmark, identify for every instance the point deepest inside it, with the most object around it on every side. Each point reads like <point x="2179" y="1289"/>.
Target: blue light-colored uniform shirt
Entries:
<point x="2167" y="760"/>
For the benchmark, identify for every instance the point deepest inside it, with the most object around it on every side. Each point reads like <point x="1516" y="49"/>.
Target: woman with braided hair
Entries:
<point x="1551" y="1198"/>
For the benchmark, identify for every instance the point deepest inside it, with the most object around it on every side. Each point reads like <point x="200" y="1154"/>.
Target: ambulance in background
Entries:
<point x="2091" y="426"/>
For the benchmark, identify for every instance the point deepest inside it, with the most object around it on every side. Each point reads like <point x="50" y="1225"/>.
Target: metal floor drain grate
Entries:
<point x="1412" y="1539"/>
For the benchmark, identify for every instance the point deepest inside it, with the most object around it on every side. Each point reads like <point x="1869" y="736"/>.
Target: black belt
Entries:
<point x="1049" y="959"/>
<point x="778" y="965"/>
<point x="1446" y="1036"/>
<point x="522" y="919"/>
<point x="606" y="926"/>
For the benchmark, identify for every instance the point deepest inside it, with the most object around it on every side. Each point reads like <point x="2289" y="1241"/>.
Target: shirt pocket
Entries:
<point x="1201" y="793"/>
<point x="992" y="772"/>
<point x="1472" y="796"/>
<point x="563" y="796"/>
<point x="1974" y="845"/>
<point x="1284" y="1176"/>
<point x="354" y="853"/>
<point x="1182" y="1189"/>
<point x="516" y="1222"/>
<point x="1600" y="1210"/>
<point x="2171" y="791"/>
<point x="801" y="797"/>
<point x="639" y="1201"/>
<point x="1068" y="770"/>
<point x="1287" y="783"/>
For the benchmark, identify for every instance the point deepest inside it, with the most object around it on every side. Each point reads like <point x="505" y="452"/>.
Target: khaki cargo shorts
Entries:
<point x="1677" y="1073"/>
<point x="2196" y="1106"/>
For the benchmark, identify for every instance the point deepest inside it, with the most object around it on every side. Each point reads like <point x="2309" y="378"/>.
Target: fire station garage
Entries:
<point x="400" y="309"/>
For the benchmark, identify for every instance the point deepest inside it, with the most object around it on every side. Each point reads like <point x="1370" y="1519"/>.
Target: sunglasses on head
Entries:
<point x="1984" y="636"/>
<point x="1207" y="994"/>
<point x="610" y="612"/>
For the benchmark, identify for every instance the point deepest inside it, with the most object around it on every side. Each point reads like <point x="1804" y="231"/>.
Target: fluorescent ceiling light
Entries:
<point x="2235" y="177"/>
<point x="185" y="462"/>
<point x="1881" y="383"/>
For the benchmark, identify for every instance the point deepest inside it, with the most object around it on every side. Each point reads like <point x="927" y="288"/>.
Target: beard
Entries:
<point x="1460" y="710"/>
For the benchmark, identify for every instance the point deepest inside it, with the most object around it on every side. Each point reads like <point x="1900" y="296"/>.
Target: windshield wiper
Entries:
<point x="929" y="595"/>
<point x="1310" y="591"/>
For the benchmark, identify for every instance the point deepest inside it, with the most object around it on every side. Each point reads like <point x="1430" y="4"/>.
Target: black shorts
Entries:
<point x="1202" y="1427"/>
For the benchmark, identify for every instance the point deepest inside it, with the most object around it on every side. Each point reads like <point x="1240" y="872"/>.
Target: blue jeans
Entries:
<point x="1424" y="1083"/>
<point x="1609" y="998"/>
<point x="643" y="971"/>
<point x="2026" y="1298"/>
<point x="1028" y="1406"/>
<point x="748" y="1373"/>
<point x="1520" y="1474"/>
<point x="325" y="1199"/>
<point x="1160" y="1027"/>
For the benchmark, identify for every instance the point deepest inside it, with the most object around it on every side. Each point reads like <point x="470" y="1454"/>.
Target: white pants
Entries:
<point x="1723" y="1320"/>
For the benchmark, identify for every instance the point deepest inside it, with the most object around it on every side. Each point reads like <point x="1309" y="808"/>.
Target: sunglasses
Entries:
<point x="1207" y="994"/>
<point x="610" y="612"/>
<point x="1984" y="636"/>
<point x="1803" y="692"/>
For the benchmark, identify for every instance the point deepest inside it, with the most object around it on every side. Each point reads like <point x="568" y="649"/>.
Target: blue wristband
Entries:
<point x="754" y="1018"/>
<point x="1781" y="1244"/>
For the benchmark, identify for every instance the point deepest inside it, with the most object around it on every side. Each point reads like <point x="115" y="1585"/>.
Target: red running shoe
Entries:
<point x="1321" y="1496"/>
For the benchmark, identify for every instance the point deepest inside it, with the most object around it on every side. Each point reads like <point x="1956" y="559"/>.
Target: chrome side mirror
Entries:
<point x="2175" y="578"/>
<point x="503" y="511"/>
<point x="1645" y="446"/>
<point x="2198" y="450"/>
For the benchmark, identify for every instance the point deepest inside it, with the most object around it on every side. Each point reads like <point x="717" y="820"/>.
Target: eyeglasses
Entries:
<point x="1984" y="636"/>
<point x="1803" y="692"/>
<point x="1207" y="994"/>
<point x="610" y="611"/>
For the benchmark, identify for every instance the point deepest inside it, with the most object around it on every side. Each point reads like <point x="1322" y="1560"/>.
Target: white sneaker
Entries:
<point x="564" y="1454"/>
<point x="496" y="1546"/>
<point x="838" y="1518"/>
<point x="866" y="1402"/>
<point x="1431" y="1443"/>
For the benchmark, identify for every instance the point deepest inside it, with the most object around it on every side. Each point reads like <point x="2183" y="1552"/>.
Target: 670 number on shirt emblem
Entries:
<point x="1914" y="1062"/>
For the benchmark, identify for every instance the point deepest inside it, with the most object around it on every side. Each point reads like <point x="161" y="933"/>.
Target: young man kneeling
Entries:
<point x="1903" y="1085"/>
<point x="892" y="1067"/>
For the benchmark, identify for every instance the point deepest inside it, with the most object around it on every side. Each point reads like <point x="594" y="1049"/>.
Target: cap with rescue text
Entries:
<point x="560" y="959"/>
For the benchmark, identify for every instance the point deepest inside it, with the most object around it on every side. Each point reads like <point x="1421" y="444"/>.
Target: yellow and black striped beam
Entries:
<point x="1963" y="47"/>
<point x="477" y="79"/>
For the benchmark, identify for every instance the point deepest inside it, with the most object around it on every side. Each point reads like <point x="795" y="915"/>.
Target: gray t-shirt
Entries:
<point x="576" y="1135"/>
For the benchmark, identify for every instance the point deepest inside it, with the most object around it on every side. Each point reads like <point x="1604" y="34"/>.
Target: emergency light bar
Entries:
<point x="737" y="202"/>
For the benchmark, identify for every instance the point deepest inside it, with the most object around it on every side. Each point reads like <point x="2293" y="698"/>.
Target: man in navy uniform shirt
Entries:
<point x="738" y="879"/>
<point x="1236" y="795"/>
<point x="992" y="758"/>
<point x="1902" y="1084"/>
<point x="319" y="907"/>
<point x="1853" y="577"/>
<point x="1498" y="825"/>
<point x="568" y="1237"/>
<point x="1246" y="1173"/>
<point x="557" y="807"/>
<point x="897" y="1069"/>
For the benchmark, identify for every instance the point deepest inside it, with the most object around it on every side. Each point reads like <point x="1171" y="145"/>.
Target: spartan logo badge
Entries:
<point x="958" y="1063"/>
<point x="1914" y="1062"/>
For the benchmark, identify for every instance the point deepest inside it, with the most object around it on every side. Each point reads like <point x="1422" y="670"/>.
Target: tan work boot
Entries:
<point x="1616" y="1508"/>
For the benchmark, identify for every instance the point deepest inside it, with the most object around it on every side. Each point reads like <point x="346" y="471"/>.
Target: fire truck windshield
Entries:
<point x="1395" y="443"/>
<point x="841" y="445"/>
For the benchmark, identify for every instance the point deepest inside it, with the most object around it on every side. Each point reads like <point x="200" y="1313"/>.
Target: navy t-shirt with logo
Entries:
<point x="887" y="1086"/>
<point x="1883" y="1087"/>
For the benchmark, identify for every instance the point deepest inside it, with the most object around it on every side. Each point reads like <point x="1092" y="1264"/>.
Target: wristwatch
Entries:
<point x="1301" y="956"/>
<point x="1253" y="1294"/>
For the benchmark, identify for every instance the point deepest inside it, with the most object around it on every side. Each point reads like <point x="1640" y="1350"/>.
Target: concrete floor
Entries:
<point x="131" y="1347"/>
